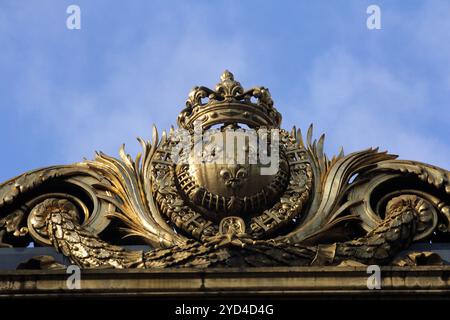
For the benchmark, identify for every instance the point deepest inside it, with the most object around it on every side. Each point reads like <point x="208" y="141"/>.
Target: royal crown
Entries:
<point x="229" y="104"/>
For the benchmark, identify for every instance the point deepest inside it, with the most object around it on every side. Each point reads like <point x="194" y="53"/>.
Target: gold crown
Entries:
<point x="229" y="104"/>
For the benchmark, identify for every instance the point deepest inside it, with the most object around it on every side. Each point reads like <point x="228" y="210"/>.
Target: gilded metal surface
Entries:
<point x="361" y="208"/>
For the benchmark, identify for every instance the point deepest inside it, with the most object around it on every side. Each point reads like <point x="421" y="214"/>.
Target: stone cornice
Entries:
<point x="299" y="282"/>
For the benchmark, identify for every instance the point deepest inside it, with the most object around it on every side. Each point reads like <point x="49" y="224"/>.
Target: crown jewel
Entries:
<point x="229" y="104"/>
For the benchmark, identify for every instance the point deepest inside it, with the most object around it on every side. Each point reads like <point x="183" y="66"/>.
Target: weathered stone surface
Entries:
<point x="303" y="282"/>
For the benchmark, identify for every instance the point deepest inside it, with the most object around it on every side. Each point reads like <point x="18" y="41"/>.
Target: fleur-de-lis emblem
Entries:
<point x="234" y="177"/>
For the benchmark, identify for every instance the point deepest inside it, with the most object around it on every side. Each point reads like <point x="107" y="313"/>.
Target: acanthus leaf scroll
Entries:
<point x="365" y="207"/>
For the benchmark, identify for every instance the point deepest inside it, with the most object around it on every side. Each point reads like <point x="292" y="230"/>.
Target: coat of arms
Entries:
<point x="229" y="187"/>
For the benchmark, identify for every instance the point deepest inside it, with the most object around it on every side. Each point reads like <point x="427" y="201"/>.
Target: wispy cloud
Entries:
<point x="147" y="83"/>
<point x="363" y="105"/>
<point x="64" y="94"/>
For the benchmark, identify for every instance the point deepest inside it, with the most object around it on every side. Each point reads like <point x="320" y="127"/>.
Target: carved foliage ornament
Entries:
<point x="364" y="207"/>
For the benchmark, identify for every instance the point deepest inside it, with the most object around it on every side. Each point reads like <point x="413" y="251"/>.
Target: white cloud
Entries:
<point x="358" y="104"/>
<point x="363" y="105"/>
<point x="146" y="84"/>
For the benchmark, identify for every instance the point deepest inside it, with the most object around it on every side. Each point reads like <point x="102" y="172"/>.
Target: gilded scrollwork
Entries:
<point x="365" y="207"/>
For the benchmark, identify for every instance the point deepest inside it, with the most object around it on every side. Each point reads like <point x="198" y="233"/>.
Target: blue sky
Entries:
<point x="66" y="93"/>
